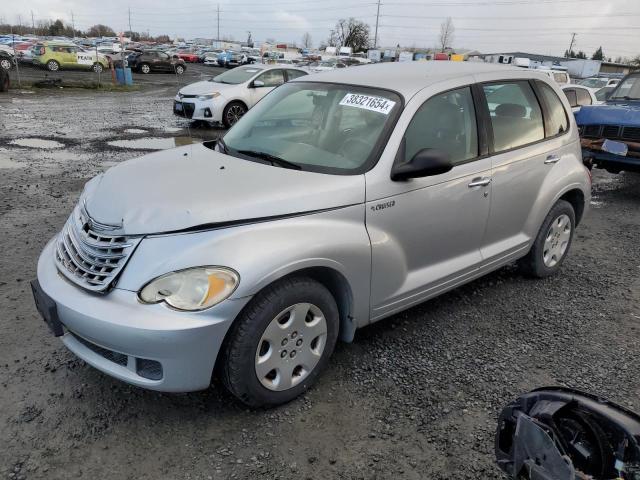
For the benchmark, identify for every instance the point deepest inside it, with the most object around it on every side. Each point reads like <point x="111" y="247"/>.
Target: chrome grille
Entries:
<point x="90" y="258"/>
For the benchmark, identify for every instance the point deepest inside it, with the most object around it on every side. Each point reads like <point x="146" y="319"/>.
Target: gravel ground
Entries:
<point x="415" y="396"/>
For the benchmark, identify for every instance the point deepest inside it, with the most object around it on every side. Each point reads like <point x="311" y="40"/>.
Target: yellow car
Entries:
<point x="57" y="55"/>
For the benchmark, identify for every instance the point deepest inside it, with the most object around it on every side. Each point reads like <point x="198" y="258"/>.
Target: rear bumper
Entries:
<point x="120" y="336"/>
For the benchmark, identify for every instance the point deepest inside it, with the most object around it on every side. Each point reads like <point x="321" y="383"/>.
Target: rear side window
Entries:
<point x="516" y="116"/>
<point x="291" y="74"/>
<point x="446" y="122"/>
<point x="583" y="97"/>
<point x="558" y="122"/>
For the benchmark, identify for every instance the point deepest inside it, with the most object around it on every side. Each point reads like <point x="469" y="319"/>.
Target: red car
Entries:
<point x="189" y="57"/>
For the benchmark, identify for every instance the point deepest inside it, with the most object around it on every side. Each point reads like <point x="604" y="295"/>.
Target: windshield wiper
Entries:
<point x="625" y="97"/>
<point x="280" y="162"/>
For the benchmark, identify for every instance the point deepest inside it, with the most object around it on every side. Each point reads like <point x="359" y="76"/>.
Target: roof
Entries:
<point x="406" y="78"/>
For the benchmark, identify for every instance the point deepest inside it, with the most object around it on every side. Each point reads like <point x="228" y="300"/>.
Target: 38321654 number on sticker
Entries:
<point x="368" y="102"/>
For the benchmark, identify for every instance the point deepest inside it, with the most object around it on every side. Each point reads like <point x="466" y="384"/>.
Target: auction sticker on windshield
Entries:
<point x="368" y="102"/>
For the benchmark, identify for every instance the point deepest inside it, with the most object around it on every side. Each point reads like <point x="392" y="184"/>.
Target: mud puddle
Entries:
<point x="39" y="143"/>
<point x="154" y="143"/>
<point x="135" y="130"/>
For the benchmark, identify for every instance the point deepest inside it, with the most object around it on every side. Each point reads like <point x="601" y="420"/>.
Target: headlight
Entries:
<point x="191" y="289"/>
<point x="208" y="97"/>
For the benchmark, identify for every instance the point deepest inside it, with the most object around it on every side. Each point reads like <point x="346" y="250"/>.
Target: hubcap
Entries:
<point x="557" y="240"/>
<point x="291" y="347"/>
<point x="234" y="113"/>
<point x="53" y="66"/>
<point x="145" y="69"/>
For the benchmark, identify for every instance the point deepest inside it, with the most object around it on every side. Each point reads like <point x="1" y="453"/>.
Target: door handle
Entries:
<point x="480" y="182"/>
<point x="551" y="159"/>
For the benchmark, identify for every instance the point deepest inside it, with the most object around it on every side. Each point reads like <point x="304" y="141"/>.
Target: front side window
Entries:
<point x="583" y="97"/>
<point x="272" y="78"/>
<point x="328" y="128"/>
<point x="516" y="116"/>
<point x="557" y="122"/>
<point x="446" y="122"/>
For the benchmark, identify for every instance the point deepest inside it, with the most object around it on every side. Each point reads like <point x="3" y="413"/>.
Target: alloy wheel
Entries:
<point x="5" y="63"/>
<point x="557" y="240"/>
<point x="234" y="114"/>
<point x="145" y="68"/>
<point x="53" y="66"/>
<point x="291" y="347"/>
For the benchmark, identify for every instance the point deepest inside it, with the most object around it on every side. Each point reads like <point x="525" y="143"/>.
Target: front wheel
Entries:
<point x="281" y="342"/>
<point x="179" y="69"/>
<point x="5" y="63"/>
<point x="145" y="68"/>
<point x="232" y="113"/>
<point x="552" y="243"/>
<point x="97" y="67"/>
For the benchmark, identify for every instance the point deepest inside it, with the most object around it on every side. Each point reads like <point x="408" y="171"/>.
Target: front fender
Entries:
<point x="264" y="252"/>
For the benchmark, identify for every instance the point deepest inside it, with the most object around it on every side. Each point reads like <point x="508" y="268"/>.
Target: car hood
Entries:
<point x="205" y="87"/>
<point x="194" y="186"/>
<point x="610" y="113"/>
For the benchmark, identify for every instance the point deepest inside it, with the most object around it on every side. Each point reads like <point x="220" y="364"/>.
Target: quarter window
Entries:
<point x="291" y="74"/>
<point x="272" y="78"/>
<point x="446" y="122"/>
<point x="583" y="97"/>
<point x="516" y="116"/>
<point x="557" y="122"/>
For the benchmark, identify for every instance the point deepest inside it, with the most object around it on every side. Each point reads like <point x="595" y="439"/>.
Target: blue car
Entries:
<point x="610" y="133"/>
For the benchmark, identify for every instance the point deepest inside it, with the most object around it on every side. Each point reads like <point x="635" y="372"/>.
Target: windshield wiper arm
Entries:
<point x="280" y="162"/>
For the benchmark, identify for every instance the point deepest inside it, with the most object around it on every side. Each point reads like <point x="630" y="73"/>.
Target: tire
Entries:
<point x="301" y="311"/>
<point x="97" y="67"/>
<point x="145" y="68"/>
<point x="179" y="69"/>
<point x="552" y="243"/>
<point x="232" y="113"/>
<point x="5" y="63"/>
<point x="53" y="66"/>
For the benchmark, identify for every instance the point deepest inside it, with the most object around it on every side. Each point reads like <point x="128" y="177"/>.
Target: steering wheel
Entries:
<point x="353" y="146"/>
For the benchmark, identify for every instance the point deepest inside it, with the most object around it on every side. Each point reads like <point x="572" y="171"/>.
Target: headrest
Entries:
<point x="512" y="110"/>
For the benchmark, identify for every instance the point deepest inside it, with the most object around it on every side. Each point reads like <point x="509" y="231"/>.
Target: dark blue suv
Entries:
<point x="610" y="132"/>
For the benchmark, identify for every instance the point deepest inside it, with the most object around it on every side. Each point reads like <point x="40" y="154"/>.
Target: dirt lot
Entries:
<point x="415" y="396"/>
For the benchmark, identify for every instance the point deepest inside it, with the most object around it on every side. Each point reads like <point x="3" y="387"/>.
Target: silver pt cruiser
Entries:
<point x="338" y="200"/>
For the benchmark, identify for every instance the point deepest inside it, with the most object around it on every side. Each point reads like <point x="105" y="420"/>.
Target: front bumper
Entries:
<point x="592" y="153"/>
<point x="117" y="334"/>
<point x="194" y="109"/>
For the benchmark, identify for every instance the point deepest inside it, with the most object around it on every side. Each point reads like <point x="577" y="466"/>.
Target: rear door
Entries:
<point x="525" y="146"/>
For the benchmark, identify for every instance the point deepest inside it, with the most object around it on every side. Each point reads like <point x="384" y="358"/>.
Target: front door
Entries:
<point x="264" y="83"/>
<point x="426" y="238"/>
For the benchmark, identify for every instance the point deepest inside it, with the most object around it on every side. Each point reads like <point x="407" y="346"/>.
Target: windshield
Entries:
<point x="594" y="82"/>
<point x="317" y="127"/>
<point x="236" y="76"/>
<point x="628" y="89"/>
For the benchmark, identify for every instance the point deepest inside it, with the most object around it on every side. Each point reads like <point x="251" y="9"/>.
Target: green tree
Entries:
<point x="100" y="31"/>
<point x="598" y="55"/>
<point x="56" y="28"/>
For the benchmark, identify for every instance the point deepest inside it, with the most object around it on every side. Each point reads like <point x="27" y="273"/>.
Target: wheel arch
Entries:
<point x="236" y="100"/>
<point x="576" y="198"/>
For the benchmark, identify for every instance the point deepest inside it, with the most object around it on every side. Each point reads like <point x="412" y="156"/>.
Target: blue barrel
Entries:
<point x="128" y="79"/>
<point x="120" y="76"/>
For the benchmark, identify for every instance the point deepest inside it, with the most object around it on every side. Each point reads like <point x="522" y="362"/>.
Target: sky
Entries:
<point x="490" y="26"/>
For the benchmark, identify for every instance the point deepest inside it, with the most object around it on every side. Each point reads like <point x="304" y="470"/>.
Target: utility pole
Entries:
<point x="375" y="39"/>
<point x="33" y="24"/>
<point x="573" y="38"/>
<point x="73" y="24"/>
<point x="130" y="31"/>
<point x="218" y="35"/>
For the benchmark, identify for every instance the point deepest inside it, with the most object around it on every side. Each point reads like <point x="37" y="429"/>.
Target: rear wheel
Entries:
<point x="552" y="243"/>
<point x="97" y="67"/>
<point x="145" y="68"/>
<point x="5" y="63"/>
<point x="179" y="69"/>
<point x="53" y="66"/>
<point x="232" y="113"/>
<point x="281" y="342"/>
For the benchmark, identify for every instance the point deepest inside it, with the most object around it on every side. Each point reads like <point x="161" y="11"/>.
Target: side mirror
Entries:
<point x="257" y="84"/>
<point x="425" y="163"/>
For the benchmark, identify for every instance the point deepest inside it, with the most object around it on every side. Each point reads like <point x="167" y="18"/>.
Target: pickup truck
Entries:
<point x="610" y="133"/>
